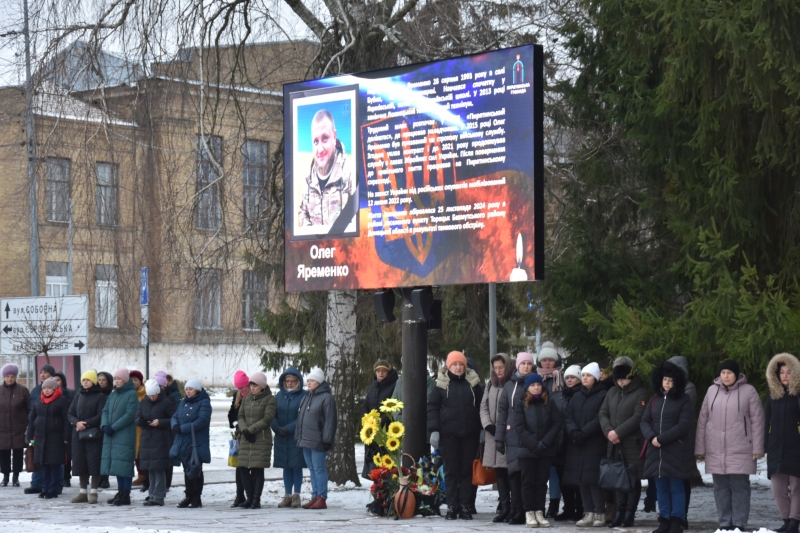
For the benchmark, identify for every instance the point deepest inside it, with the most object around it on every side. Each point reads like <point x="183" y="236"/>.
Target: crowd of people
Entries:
<point x="120" y="425"/>
<point x="540" y="427"/>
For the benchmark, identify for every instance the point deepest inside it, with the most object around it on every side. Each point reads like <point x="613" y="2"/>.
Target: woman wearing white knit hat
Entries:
<point x="587" y="445"/>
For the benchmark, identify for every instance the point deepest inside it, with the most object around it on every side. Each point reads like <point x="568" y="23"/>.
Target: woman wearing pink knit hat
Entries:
<point x="242" y="384"/>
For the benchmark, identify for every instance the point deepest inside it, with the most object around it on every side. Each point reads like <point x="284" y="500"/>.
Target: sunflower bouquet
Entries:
<point x="389" y="437"/>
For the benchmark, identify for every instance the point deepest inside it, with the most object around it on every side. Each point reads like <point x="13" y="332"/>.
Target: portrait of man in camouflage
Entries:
<point x="330" y="182"/>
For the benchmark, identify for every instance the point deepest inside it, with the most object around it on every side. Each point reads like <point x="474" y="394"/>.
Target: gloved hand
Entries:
<point x="283" y="432"/>
<point x="490" y="429"/>
<point x="435" y="440"/>
<point x="176" y="429"/>
<point x="540" y="447"/>
<point x="327" y="446"/>
<point x="108" y="430"/>
<point x="578" y="437"/>
<point x="500" y="446"/>
<point x="248" y="436"/>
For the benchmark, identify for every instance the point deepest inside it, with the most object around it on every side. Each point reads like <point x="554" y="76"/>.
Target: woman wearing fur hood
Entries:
<point x="782" y="438"/>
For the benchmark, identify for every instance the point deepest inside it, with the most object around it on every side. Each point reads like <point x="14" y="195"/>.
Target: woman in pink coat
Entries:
<point x="730" y="435"/>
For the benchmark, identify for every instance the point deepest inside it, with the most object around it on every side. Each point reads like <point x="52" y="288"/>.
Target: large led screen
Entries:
<point x="427" y="174"/>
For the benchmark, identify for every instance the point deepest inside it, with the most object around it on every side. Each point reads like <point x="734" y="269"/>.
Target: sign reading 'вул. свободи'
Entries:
<point x="58" y="325"/>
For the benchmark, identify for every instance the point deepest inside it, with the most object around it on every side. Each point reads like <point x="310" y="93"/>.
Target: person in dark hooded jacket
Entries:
<point x="193" y="414"/>
<point x="50" y="432"/>
<point x="587" y="445"/>
<point x="667" y="428"/>
<point x="106" y="383"/>
<point x="782" y="438"/>
<point x="14" y="408"/>
<point x="315" y="434"/>
<point x="573" y="504"/>
<point x="287" y="455"/>
<point x="548" y="365"/>
<point x="154" y="416"/>
<point x="85" y="414"/>
<point x="47" y="371"/>
<point x="68" y="394"/>
<point x="455" y="425"/>
<point x="620" y="417"/>
<point x="381" y="388"/>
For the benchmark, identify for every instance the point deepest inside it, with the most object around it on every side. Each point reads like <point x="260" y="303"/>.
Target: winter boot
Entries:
<point x="619" y="510"/>
<point x="784" y="527"/>
<point x="104" y="484"/>
<point x="505" y="501"/>
<point x="552" y="508"/>
<point x="285" y="502"/>
<point x="586" y="521"/>
<point x="258" y="488"/>
<point x="663" y="525"/>
<point x="247" y="483"/>
<point x="33" y="490"/>
<point x="80" y="498"/>
<point x="197" y="491"/>
<point x="541" y="519"/>
<point x="295" y="501"/>
<point x="5" y="481"/>
<point x="321" y="503"/>
<point x="630" y="516"/>
<point x="124" y="498"/>
<point x="530" y="519"/>
<point x="92" y="496"/>
<point x="610" y="512"/>
<point x="15" y="479"/>
<point x="464" y="513"/>
<point x="676" y="525"/>
<point x="239" y="500"/>
<point x="569" y="505"/>
<point x="188" y="493"/>
<point x="793" y="524"/>
<point x="313" y="500"/>
<point x="139" y="480"/>
<point x="114" y="498"/>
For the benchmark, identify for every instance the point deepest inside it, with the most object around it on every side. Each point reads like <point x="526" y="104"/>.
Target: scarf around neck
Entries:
<point x="53" y="397"/>
<point x="558" y="380"/>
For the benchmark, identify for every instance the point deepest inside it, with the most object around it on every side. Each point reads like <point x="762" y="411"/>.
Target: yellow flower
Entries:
<point x="394" y="476"/>
<point x="370" y="418"/>
<point x="368" y="434"/>
<point x="377" y="459"/>
<point x="396" y="429"/>
<point x="390" y="405"/>
<point x="392" y="444"/>
<point x="387" y="462"/>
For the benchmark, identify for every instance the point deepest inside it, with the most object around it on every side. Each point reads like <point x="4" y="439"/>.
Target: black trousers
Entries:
<point x="5" y="460"/>
<point x="249" y="478"/>
<point x="535" y="475"/>
<point x="458" y="454"/>
<point x="515" y="483"/>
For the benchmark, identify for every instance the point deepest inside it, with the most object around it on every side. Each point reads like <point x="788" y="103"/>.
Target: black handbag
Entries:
<point x="94" y="433"/>
<point x="617" y="475"/>
<point x="194" y="468"/>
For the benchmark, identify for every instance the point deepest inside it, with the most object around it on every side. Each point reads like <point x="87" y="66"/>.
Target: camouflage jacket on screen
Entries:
<point x="322" y="207"/>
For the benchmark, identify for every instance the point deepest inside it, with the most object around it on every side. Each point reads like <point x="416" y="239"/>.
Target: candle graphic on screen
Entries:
<point x="519" y="274"/>
<point x="518" y="74"/>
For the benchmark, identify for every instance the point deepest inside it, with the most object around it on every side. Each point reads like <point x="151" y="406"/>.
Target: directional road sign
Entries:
<point x="27" y="325"/>
<point x="144" y="287"/>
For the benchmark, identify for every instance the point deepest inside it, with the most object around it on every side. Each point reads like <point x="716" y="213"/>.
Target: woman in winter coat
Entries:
<point x="667" y="427"/>
<point x="381" y="388"/>
<point x="782" y="439"/>
<point x="502" y="369"/>
<point x="315" y="434"/>
<point x="85" y="414"/>
<point x="587" y="444"/>
<point x="119" y="443"/>
<point x="538" y="423"/>
<point x="192" y="416"/>
<point x="255" y="445"/>
<point x="573" y="505"/>
<point x="620" y="418"/>
<point x="106" y="382"/>
<point x="153" y="417"/>
<point x="137" y="378"/>
<point x="506" y="439"/>
<point x="548" y="365"/>
<point x="730" y="436"/>
<point x="242" y="384"/>
<point x="455" y="425"/>
<point x="15" y="404"/>
<point x="287" y="455"/>
<point x="49" y="432"/>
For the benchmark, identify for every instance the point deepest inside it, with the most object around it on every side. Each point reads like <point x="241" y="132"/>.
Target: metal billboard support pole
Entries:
<point x="415" y="380"/>
<point x="492" y="320"/>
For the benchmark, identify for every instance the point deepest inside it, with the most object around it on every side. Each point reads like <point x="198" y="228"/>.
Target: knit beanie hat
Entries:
<point x="382" y="363"/>
<point x="547" y="353"/>
<point x="731" y="365"/>
<point x="455" y="357"/>
<point x="574" y="371"/>
<point x="91" y="375"/>
<point x="593" y="369"/>
<point x="259" y="379"/>
<point x="240" y="379"/>
<point x="524" y="356"/>
<point x="49" y="369"/>
<point x="316" y="375"/>
<point x="161" y="378"/>
<point x="136" y="374"/>
<point x="123" y="374"/>
<point x="50" y="383"/>
<point x="10" y="370"/>
<point x="532" y="378"/>
<point x="151" y="387"/>
<point x="548" y="344"/>
<point x="194" y="384"/>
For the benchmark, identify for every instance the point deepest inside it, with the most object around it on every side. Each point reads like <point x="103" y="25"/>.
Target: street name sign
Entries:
<point x="28" y="325"/>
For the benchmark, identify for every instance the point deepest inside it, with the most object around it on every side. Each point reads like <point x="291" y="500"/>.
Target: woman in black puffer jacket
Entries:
<point x="538" y="423"/>
<point x="571" y="494"/>
<point x="382" y="387"/>
<point x="455" y="425"/>
<point x="84" y="414"/>
<point x="587" y="445"/>
<point x="667" y="428"/>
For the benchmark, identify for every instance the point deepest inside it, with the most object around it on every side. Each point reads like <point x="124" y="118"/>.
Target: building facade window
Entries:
<point x="208" y="212"/>
<point x="208" y="298"/>
<point x="106" y="194"/>
<point x="255" y="165"/>
<point x="254" y="297"/>
<point x="57" y="189"/>
<point x="106" y="296"/>
<point x="56" y="279"/>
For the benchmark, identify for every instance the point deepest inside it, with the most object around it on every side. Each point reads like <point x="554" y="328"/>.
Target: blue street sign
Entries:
<point x="144" y="288"/>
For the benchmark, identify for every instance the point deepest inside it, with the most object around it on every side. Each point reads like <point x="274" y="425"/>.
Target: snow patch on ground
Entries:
<point x="27" y="526"/>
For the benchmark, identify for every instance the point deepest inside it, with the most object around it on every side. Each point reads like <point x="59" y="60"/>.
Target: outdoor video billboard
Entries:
<point x="427" y="174"/>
